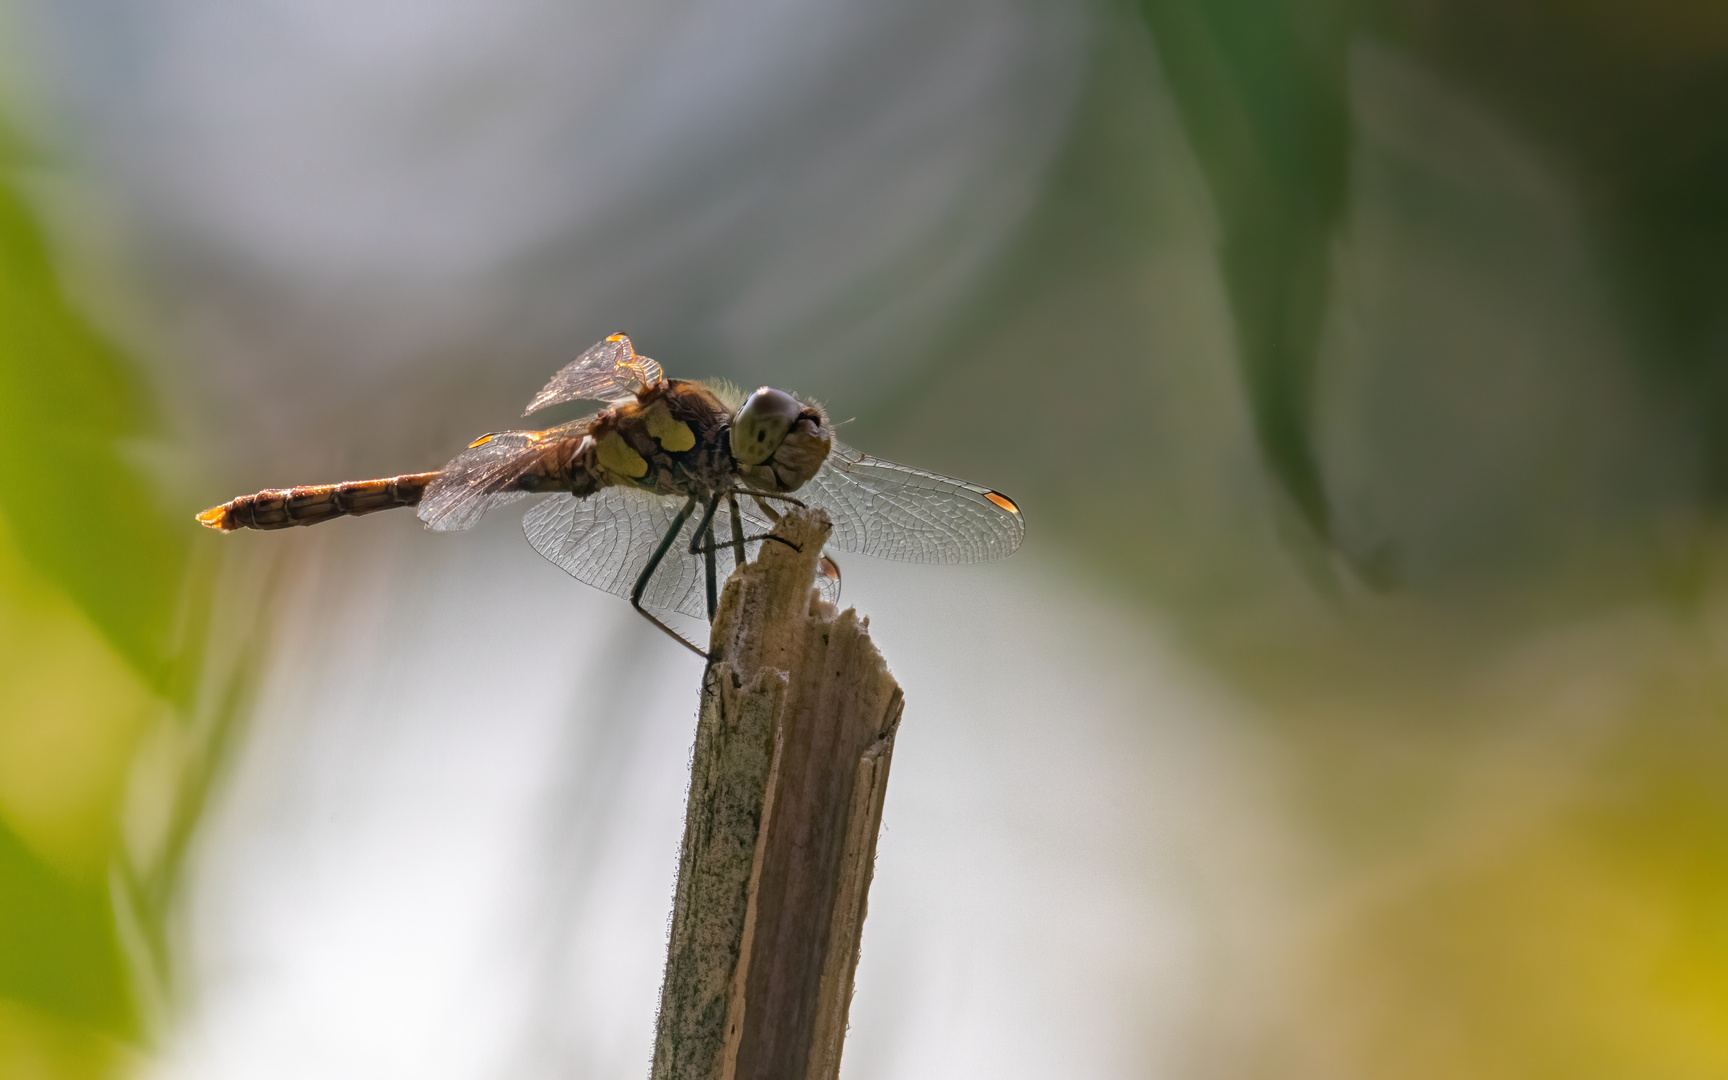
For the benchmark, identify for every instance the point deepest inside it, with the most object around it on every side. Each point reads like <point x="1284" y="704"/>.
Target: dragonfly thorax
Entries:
<point x="670" y="440"/>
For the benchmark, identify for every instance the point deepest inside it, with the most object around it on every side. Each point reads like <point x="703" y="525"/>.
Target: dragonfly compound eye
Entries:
<point x="761" y="425"/>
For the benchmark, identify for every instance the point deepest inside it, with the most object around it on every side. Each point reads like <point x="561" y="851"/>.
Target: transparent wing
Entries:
<point x="896" y="512"/>
<point x="478" y="479"/>
<point x="608" y="371"/>
<point x="487" y="474"/>
<point x="606" y="539"/>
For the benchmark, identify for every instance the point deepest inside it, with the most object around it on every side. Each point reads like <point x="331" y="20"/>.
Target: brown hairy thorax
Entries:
<point x="670" y="440"/>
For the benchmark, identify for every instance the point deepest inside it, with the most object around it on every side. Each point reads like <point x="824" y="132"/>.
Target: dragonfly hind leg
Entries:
<point x="653" y="564"/>
<point x="702" y="542"/>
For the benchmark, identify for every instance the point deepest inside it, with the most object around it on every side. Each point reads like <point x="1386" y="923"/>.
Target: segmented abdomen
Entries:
<point x="279" y="508"/>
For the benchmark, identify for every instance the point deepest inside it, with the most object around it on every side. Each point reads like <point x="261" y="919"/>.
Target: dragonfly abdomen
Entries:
<point x="280" y="508"/>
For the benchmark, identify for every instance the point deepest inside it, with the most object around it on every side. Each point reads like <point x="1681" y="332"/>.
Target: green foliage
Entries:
<point x="1261" y="88"/>
<point x="1624" y="103"/>
<point x="1477" y="305"/>
<point x="81" y="513"/>
<point x="61" y="952"/>
<point x="93" y="575"/>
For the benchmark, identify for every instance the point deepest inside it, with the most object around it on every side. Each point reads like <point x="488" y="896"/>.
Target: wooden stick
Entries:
<point x="793" y="742"/>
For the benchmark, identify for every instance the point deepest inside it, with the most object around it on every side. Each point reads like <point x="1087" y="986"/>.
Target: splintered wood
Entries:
<point x="786" y="783"/>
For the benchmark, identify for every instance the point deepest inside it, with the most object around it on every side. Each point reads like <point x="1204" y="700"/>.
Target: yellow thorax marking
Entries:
<point x="616" y="456"/>
<point x="672" y="435"/>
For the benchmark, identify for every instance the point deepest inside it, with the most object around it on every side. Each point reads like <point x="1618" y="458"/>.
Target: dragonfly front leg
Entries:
<point x="653" y="564"/>
<point x="771" y="514"/>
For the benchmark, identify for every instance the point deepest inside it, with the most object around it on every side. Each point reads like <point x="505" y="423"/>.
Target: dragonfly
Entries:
<point x="665" y="458"/>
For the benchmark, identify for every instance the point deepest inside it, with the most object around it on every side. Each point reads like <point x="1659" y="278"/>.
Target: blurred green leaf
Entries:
<point x="60" y="951"/>
<point x="1261" y="90"/>
<point x="1628" y="99"/>
<point x="88" y="526"/>
<point x="79" y="511"/>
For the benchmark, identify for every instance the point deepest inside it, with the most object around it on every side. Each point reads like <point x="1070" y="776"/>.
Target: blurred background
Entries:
<point x="1355" y="708"/>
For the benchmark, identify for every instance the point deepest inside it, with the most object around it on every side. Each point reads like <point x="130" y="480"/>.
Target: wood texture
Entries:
<point x="793" y="744"/>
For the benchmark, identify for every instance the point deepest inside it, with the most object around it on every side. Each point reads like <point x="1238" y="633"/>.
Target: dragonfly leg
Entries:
<point x="736" y="545"/>
<point x="704" y="526"/>
<point x="708" y="571"/>
<point x="738" y="538"/>
<point x="769" y="512"/>
<point x="702" y="543"/>
<point x="737" y="531"/>
<point x="760" y="495"/>
<point x="653" y="564"/>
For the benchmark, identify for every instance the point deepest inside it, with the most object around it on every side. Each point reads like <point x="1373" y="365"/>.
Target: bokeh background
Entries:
<point x="1355" y="708"/>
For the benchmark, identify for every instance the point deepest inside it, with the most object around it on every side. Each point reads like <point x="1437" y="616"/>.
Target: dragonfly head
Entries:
<point x="779" y="441"/>
<point x="762" y="423"/>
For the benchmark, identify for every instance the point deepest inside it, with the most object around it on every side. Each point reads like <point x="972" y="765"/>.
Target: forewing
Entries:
<point x="608" y="371"/>
<point x="896" y="512"/>
<point x="607" y="538"/>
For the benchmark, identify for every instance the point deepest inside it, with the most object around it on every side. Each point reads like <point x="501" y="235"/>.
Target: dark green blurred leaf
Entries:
<point x="1630" y="100"/>
<point x="1261" y="90"/>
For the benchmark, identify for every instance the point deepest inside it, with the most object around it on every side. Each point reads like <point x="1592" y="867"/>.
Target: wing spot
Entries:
<point x="1003" y="501"/>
